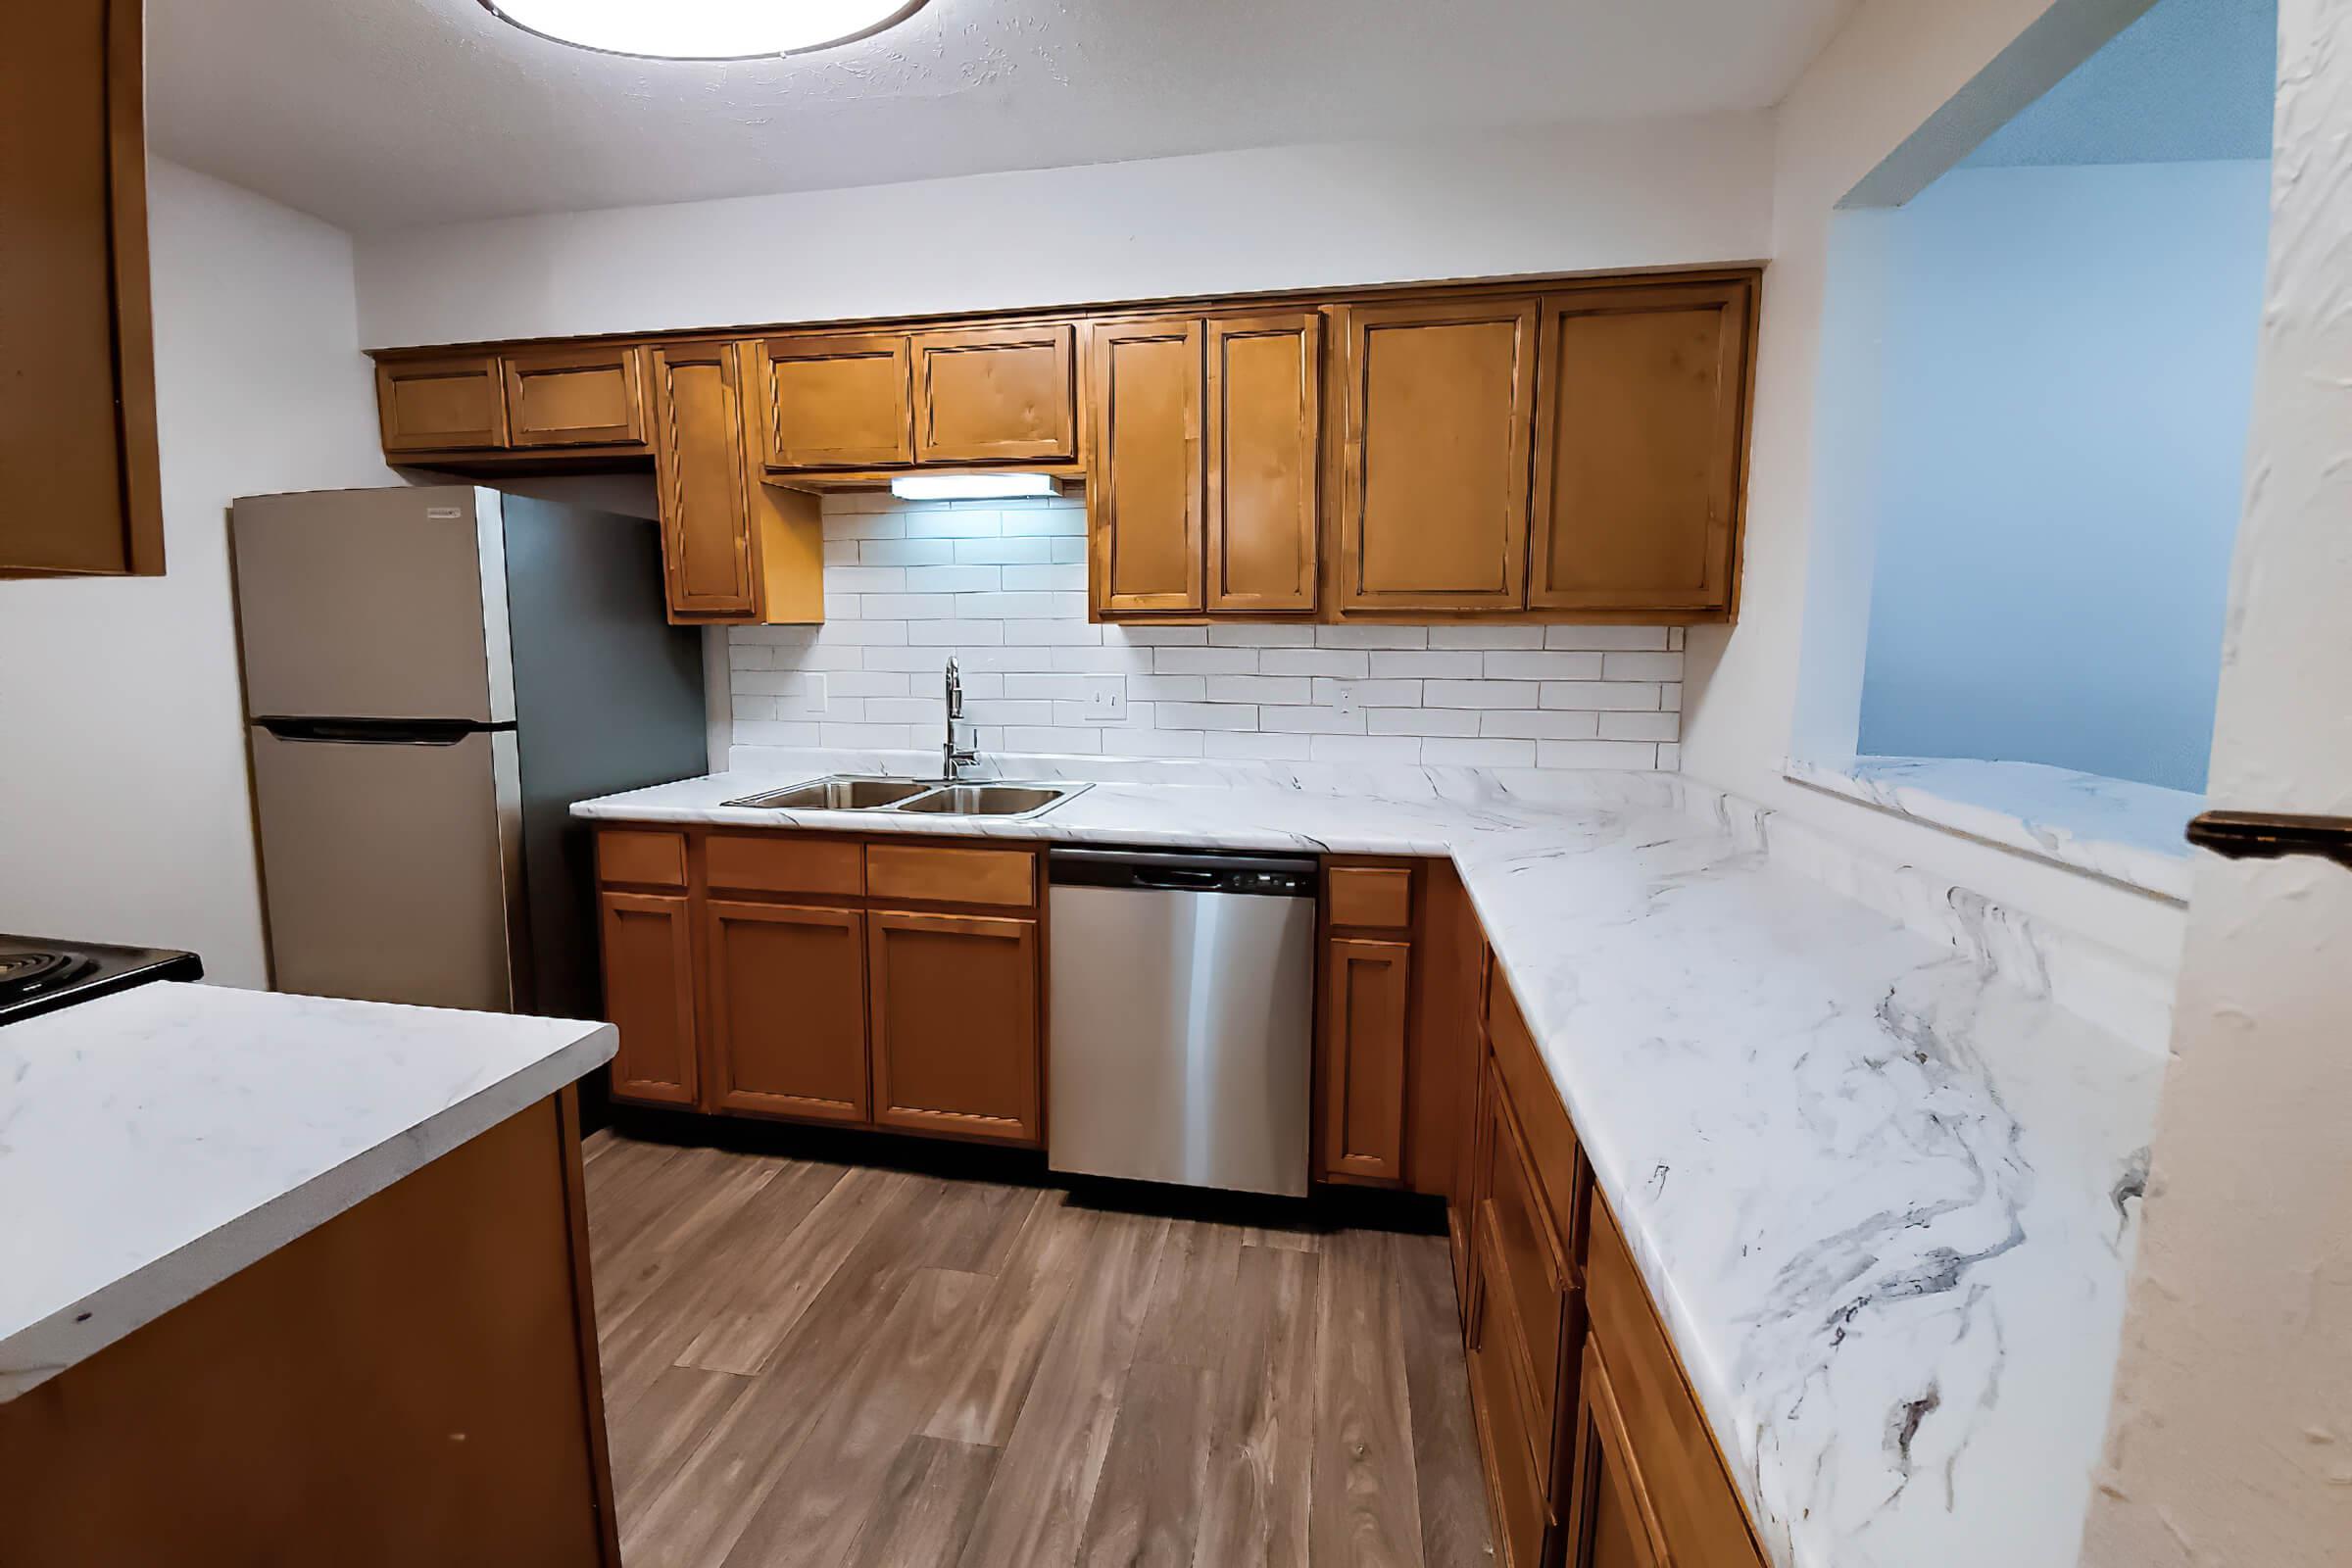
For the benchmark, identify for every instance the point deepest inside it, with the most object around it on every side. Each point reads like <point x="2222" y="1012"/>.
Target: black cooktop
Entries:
<point x="40" y="975"/>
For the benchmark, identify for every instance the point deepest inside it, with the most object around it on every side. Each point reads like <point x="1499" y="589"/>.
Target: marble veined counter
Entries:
<point x="1881" y="1183"/>
<point x="157" y="1140"/>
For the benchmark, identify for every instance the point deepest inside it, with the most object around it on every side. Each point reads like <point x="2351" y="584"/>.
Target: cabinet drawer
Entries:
<point x="776" y="862"/>
<point x="1689" y="1490"/>
<point x="1380" y="896"/>
<point x="933" y="874"/>
<point x="1525" y="1260"/>
<point x="641" y="858"/>
<point x="1514" y="1482"/>
<point x="1551" y="1140"/>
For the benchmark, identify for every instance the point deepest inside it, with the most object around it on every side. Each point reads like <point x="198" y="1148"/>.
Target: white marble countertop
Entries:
<point x="157" y="1140"/>
<point x="1880" y="1184"/>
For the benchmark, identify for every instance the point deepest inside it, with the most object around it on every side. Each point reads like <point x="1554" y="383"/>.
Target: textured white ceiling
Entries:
<point x="378" y="114"/>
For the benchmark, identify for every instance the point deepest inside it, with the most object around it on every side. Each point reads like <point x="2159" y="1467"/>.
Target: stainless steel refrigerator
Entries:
<point x="432" y="676"/>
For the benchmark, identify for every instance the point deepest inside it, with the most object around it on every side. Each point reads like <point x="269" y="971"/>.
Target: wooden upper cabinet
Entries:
<point x="1144" y="502"/>
<point x="1440" y="397"/>
<point x="575" y="396"/>
<point x="955" y="1024"/>
<point x="788" y="1010"/>
<point x="76" y="351"/>
<point x="701" y="480"/>
<point x="996" y="394"/>
<point x="648" y="995"/>
<point x="1641" y="401"/>
<point x="1265" y="434"/>
<point x="835" y="402"/>
<point x="450" y="403"/>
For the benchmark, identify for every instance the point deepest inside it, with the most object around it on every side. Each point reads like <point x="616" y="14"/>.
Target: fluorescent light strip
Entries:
<point x="972" y="486"/>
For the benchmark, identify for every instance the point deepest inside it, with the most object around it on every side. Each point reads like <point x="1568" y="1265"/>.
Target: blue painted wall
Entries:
<point x="2058" y="404"/>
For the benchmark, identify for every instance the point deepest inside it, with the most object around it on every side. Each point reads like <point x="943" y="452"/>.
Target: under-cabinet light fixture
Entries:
<point x="704" y="30"/>
<point x="972" y="486"/>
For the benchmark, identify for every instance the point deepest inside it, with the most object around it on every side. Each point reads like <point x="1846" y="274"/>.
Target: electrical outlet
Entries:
<point x="1107" y="700"/>
<point x="1343" y="700"/>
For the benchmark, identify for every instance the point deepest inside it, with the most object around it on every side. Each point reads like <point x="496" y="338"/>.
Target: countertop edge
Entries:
<point x="50" y="1346"/>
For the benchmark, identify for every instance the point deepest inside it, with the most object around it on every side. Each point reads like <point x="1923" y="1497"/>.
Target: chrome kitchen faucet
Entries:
<point x="955" y="758"/>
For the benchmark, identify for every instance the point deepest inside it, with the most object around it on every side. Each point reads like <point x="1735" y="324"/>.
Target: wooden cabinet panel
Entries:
<point x="644" y="857"/>
<point x="1265" y="434"/>
<point x="934" y="873"/>
<point x="836" y="402"/>
<point x="1433" y="472"/>
<point x="1682" y="1475"/>
<point x="1522" y="1255"/>
<point x="1514" y="1484"/>
<point x="1373" y="896"/>
<point x="784" y="863"/>
<point x="648" y="995"/>
<point x="955" y="1024"/>
<point x="1002" y="394"/>
<point x="707" y="544"/>
<point x="1612" y="1524"/>
<point x="77" y="345"/>
<point x="575" y="396"/>
<point x="1144" y="504"/>
<point x="452" y="404"/>
<point x="788" y="1010"/>
<point x="1366" y="1000"/>
<point x="1552" y="1145"/>
<point x="1640" y="405"/>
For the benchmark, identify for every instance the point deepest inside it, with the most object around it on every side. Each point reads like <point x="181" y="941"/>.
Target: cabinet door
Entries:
<point x="575" y="396"/>
<point x="1611" y="1523"/>
<point x="1440" y="401"/>
<point x="648" y="995"/>
<point x="1640" y="404"/>
<point x="956" y="1025"/>
<point x="836" y="402"/>
<point x="788" y="1010"/>
<point x="996" y="394"/>
<point x="1366" y="995"/>
<point x="456" y="403"/>
<point x="698" y="473"/>
<point x="1144" y="496"/>
<point x="77" y="344"/>
<point x="1265" y="433"/>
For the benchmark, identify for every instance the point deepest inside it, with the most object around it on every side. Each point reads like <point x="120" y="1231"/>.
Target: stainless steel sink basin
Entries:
<point x="990" y="800"/>
<point x="841" y="792"/>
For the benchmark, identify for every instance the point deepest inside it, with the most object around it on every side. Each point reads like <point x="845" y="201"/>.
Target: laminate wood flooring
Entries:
<point x="820" y="1365"/>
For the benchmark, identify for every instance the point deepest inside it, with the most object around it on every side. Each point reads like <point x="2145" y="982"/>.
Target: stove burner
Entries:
<point x="25" y="972"/>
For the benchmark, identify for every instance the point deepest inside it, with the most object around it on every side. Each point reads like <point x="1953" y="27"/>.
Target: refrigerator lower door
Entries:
<point x="392" y="868"/>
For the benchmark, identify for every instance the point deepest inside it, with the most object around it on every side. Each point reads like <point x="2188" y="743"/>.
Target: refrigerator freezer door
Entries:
<point x="393" y="869"/>
<point x="373" y="603"/>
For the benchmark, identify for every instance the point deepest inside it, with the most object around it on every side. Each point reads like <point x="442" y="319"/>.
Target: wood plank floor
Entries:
<point x="819" y="1365"/>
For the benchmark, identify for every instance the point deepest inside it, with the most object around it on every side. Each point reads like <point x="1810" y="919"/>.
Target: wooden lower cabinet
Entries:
<point x="954" y="1024"/>
<point x="1614" y="1525"/>
<point x="648" y="995"/>
<point x="1366" y="993"/>
<point x="788" y="1010"/>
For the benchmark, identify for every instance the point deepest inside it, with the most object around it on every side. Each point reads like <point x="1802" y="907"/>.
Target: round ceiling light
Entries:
<point x="704" y="30"/>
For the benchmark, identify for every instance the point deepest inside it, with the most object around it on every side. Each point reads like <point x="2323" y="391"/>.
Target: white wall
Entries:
<point x="1001" y="585"/>
<point x="1887" y="73"/>
<point x="2231" y="1439"/>
<point x="1666" y="192"/>
<point x="124" y="808"/>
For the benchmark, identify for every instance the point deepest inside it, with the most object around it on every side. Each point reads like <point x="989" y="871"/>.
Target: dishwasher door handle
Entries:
<point x="1172" y="878"/>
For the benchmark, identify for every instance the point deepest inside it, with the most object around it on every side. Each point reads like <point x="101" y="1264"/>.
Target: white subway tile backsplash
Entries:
<point x="1001" y="585"/>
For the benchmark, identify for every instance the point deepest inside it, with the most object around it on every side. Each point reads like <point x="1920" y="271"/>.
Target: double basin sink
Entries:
<point x="879" y="792"/>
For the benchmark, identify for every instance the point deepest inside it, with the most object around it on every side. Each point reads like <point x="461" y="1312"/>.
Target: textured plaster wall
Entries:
<point x="2231" y="1439"/>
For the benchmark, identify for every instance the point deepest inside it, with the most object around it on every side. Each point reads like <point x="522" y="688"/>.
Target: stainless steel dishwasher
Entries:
<point x="1183" y="1006"/>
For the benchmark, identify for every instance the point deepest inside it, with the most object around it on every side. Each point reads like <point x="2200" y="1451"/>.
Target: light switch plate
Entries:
<point x="812" y="692"/>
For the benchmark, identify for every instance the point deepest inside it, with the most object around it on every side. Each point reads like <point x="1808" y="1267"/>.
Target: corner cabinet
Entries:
<point x="76" y="343"/>
<point x="800" y="976"/>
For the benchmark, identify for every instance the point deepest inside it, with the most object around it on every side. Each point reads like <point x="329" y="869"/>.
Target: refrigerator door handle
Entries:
<point x="378" y="731"/>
